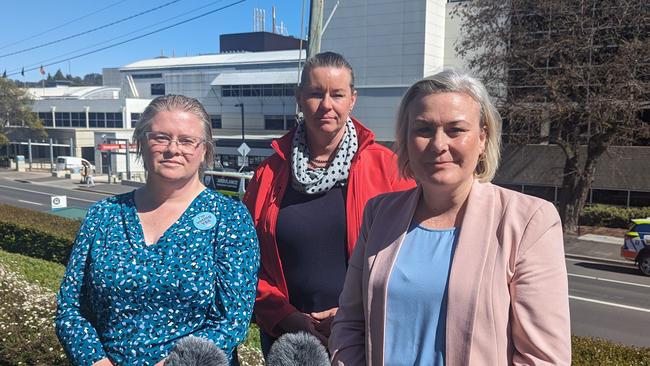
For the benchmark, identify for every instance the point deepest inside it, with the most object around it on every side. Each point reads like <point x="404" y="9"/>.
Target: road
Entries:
<point x="609" y="301"/>
<point x="37" y="197"/>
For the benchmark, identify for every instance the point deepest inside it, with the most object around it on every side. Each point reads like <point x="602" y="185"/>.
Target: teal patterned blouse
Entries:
<point x="131" y="302"/>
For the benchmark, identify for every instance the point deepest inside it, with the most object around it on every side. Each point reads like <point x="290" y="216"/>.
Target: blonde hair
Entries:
<point x="174" y="103"/>
<point x="451" y="81"/>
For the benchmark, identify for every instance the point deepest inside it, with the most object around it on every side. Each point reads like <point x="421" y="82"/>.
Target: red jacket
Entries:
<point x="373" y="171"/>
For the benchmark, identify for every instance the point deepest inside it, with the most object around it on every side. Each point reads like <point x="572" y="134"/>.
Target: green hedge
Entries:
<point x="589" y="351"/>
<point x="36" y="234"/>
<point x="612" y="216"/>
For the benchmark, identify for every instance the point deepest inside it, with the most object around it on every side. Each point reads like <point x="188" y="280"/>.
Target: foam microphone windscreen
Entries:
<point x="297" y="349"/>
<point x="195" y="351"/>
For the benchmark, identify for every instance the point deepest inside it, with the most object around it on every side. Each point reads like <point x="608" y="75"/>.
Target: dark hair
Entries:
<point x="325" y="59"/>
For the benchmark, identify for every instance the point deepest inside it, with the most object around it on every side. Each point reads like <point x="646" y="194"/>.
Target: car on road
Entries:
<point x="636" y="245"/>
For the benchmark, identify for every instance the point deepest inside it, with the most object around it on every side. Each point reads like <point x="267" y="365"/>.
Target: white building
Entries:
<point x="390" y="44"/>
<point x="260" y="84"/>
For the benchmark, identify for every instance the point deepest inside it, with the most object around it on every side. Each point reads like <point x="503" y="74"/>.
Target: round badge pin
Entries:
<point x="205" y="221"/>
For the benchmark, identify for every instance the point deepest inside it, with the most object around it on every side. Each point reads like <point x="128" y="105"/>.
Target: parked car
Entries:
<point x="636" y="246"/>
<point x="229" y="183"/>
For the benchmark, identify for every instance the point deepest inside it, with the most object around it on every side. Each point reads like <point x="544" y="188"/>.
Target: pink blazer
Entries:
<point x="508" y="294"/>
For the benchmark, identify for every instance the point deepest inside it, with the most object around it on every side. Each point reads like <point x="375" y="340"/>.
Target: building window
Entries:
<point x="216" y="121"/>
<point x="157" y="89"/>
<point x="278" y="122"/>
<point x="146" y="76"/>
<point x="97" y="120"/>
<point x="62" y="119"/>
<point x="46" y="117"/>
<point x="135" y="117"/>
<point x="114" y="120"/>
<point x="78" y="119"/>
<point x="256" y="90"/>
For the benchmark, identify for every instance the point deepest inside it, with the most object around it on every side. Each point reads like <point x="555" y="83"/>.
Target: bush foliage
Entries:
<point x="36" y="234"/>
<point x="612" y="216"/>
<point x="27" y="301"/>
<point x="594" y="351"/>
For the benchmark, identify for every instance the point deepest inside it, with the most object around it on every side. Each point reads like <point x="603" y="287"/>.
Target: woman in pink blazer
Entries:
<point x="457" y="271"/>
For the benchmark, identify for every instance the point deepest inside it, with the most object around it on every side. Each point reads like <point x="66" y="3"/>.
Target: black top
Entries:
<point x="311" y="237"/>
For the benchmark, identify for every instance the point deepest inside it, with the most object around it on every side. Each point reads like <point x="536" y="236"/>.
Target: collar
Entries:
<point x="282" y="146"/>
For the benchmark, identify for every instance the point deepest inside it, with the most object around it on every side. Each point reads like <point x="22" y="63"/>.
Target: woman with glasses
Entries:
<point x="166" y="261"/>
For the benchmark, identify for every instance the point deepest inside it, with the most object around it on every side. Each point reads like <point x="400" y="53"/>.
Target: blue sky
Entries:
<point x="27" y="18"/>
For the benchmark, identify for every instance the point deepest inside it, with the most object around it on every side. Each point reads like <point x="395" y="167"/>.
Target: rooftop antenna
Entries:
<point x="259" y="19"/>
<point x="273" y="17"/>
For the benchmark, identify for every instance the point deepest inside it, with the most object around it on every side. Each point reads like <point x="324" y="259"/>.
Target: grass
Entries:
<point x="41" y="272"/>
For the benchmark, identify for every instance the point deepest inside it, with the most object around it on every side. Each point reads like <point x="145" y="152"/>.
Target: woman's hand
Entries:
<point x="325" y="318"/>
<point x="301" y="322"/>
<point x="160" y="363"/>
<point x="103" y="362"/>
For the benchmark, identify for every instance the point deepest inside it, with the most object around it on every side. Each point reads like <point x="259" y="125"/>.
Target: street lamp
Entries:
<point x="241" y="106"/>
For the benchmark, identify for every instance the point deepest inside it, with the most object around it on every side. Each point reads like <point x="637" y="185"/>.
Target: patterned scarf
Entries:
<point x="314" y="181"/>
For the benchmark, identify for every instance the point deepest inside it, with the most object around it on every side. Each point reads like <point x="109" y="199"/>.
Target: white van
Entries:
<point x="71" y="163"/>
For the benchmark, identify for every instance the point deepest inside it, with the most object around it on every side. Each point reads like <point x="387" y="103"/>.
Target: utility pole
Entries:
<point x="315" y="27"/>
<point x="241" y="106"/>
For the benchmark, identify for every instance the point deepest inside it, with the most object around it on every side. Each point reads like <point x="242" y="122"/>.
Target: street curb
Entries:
<point x="97" y="191"/>
<point x="599" y="259"/>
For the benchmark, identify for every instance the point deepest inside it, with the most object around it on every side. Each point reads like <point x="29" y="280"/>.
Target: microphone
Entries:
<point x="195" y="351"/>
<point x="297" y="349"/>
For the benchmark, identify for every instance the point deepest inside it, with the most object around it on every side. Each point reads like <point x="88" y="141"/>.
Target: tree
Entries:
<point x="59" y="75"/>
<point x="573" y="73"/>
<point x="16" y="116"/>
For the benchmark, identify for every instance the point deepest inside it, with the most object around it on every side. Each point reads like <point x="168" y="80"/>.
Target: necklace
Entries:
<point x="319" y="161"/>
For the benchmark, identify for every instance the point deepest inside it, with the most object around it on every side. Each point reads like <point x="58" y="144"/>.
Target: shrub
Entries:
<point x="37" y="271"/>
<point x="27" y="323"/>
<point x="612" y="216"/>
<point x="36" y="234"/>
<point x="593" y="351"/>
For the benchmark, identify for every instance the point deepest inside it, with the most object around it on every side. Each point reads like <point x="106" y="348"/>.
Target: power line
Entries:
<point x="132" y="39"/>
<point x="118" y="37"/>
<point x="89" y="31"/>
<point x="62" y="25"/>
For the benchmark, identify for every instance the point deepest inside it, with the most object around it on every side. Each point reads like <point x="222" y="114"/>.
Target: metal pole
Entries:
<point x="29" y="152"/>
<point x="241" y="108"/>
<point x="128" y="160"/>
<point x="51" y="156"/>
<point x="72" y="152"/>
<point x="315" y="27"/>
<point x="243" y="137"/>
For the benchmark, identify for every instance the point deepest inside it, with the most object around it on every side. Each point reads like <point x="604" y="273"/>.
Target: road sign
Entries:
<point x="113" y="147"/>
<point x="243" y="149"/>
<point x="242" y="161"/>
<point x="59" y="202"/>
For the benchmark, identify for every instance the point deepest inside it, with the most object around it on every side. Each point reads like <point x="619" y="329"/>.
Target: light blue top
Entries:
<point x="131" y="302"/>
<point x="416" y="307"/>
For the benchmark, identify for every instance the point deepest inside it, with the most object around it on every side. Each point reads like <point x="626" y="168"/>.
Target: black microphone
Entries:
<point x="195" y="351"/>
<point x="297" y="349"/>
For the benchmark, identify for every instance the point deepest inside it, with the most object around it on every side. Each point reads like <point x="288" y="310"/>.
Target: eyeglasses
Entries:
<point x="186" y="144"/>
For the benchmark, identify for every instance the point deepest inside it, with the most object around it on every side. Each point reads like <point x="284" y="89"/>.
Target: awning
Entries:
<point x="256" y="78"/>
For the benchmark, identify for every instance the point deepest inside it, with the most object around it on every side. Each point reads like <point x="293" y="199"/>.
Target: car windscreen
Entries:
<point x="641" y="228"/>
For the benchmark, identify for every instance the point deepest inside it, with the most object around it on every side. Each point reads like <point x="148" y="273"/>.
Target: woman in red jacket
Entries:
<point x="307" y="202"/>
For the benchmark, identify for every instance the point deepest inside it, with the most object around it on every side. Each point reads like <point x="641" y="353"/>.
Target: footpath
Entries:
<point x="585" y="247"/>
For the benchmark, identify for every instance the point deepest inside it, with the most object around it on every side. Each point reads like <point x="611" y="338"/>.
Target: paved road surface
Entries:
<point x="609" y="301"/>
